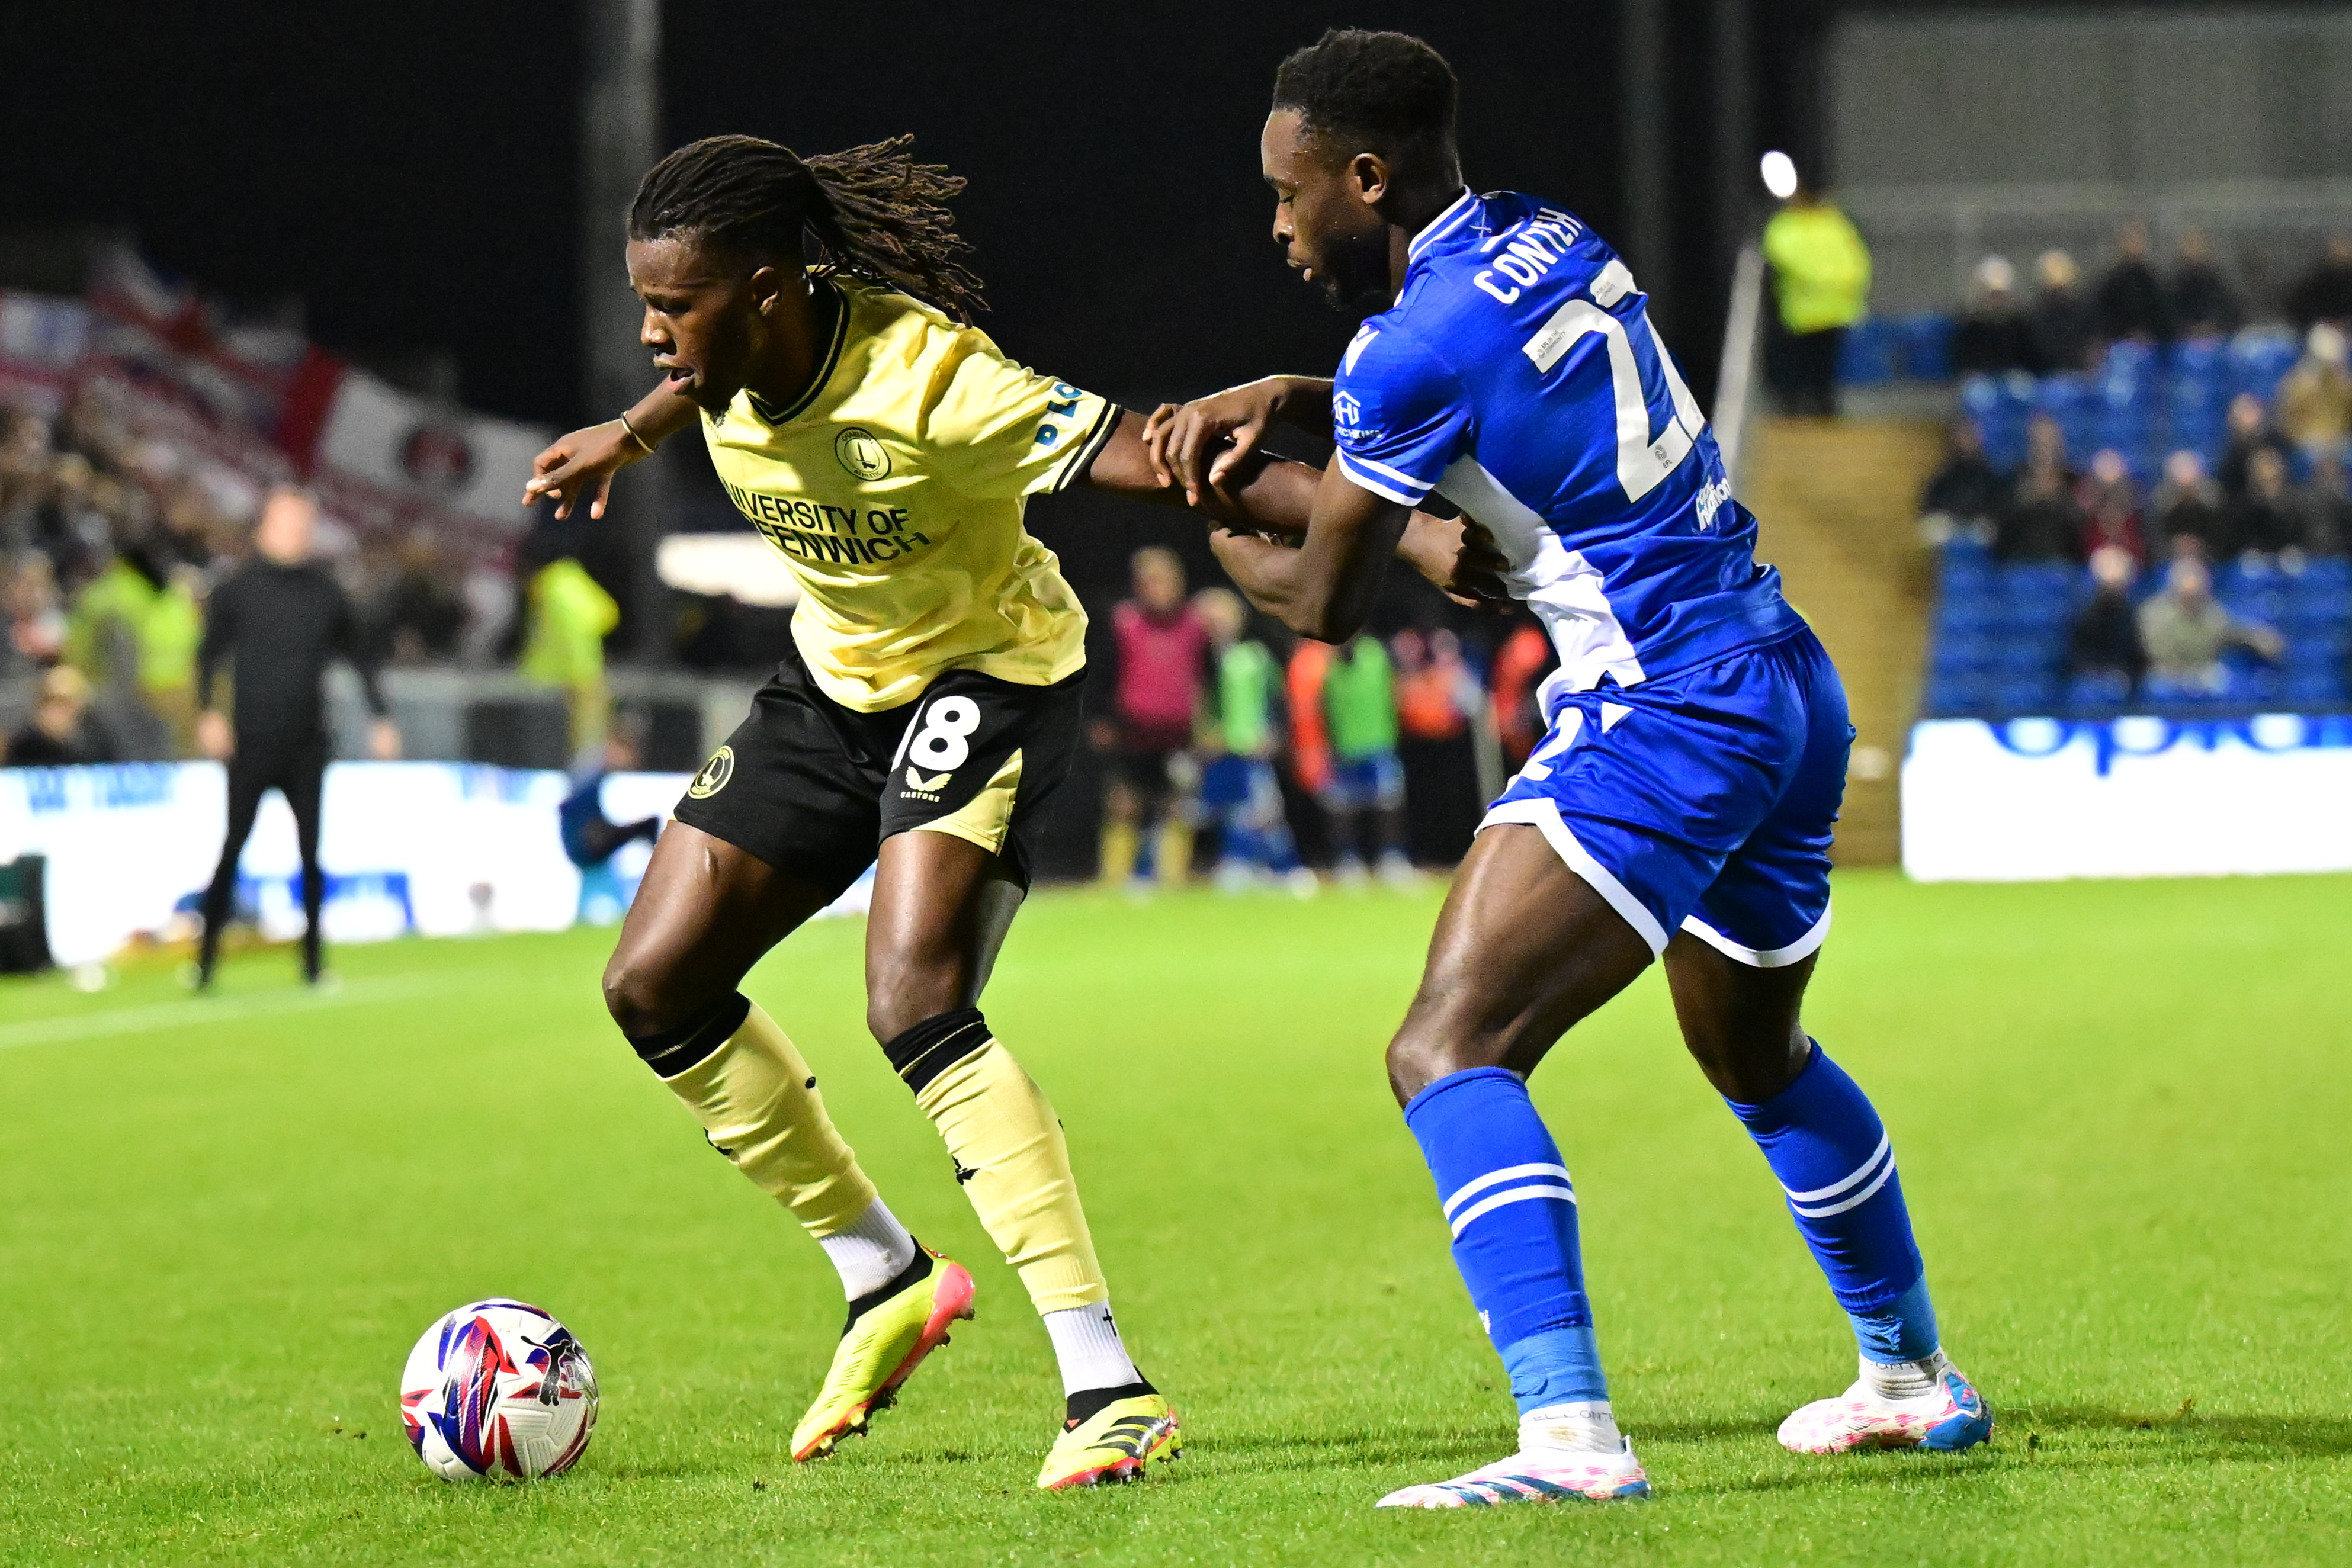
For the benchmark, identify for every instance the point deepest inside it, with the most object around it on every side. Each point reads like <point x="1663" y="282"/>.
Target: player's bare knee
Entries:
<point x="901" y="991"/>
<point x="636" y="996"/>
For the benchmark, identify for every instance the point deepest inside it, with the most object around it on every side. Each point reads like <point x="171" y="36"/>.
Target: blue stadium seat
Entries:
<point x="2097" y="696"/>
<point x="2258" y="358"/>
<point x="1926" y="346"/>
<point x="1867" y="355"/>
<point x="2128" y="364"/>
<point x="2333" y="570"/>
<point x="2025" y="694"/>
<point x="2313" y="688"/>
<point x="1959" y="696"/>
<point x="2070" y="400"/>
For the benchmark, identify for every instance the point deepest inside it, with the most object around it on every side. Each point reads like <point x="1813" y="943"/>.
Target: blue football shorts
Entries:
<point x="1372" y="782"/>
<point x="1702" y="800"/>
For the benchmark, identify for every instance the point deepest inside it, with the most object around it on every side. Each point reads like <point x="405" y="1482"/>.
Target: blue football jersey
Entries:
<point x="1517" y="375"/>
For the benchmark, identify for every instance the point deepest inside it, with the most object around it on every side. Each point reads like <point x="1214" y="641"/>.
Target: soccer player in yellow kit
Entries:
<point x="928" y="707"/>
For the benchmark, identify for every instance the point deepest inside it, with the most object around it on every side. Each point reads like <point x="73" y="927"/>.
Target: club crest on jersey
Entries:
<point x="714" y="775"/>
<point x="862" y="453"/>
<point x="922" y="789"/>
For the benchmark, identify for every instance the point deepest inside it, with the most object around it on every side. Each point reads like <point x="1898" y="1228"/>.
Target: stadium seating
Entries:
<point x="1998" y="642"/>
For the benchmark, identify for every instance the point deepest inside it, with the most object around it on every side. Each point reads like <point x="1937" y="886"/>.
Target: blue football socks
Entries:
<point x="1832" y="1155"/>
<point x="1507" y="1197"/>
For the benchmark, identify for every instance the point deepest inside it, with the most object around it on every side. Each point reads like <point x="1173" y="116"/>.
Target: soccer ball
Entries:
<point x="497" y="1390"/>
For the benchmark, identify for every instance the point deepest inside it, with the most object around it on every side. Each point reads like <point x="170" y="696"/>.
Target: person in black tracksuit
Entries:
<point x="278" y="621"/>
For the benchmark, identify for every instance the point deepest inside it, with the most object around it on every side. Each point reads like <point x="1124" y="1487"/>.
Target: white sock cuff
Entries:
<point x="870" y="1251"/>
<point x="1087" y="1343"/>
<point x="1583" y="1425"/>
<point x="1905" y="1379"/>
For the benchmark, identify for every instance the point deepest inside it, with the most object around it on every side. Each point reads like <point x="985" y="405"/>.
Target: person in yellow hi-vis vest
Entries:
<point x="150" y="628"/>
<point x="1821" y="278"/>
<point x="571" y="616"/>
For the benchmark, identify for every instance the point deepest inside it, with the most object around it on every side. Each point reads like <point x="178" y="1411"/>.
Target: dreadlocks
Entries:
<point x="875" y="213"/>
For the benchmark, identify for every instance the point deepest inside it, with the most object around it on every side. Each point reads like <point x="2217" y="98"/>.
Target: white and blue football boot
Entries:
<point x="1534" y="1475"/>
<point x="1952" y="1417"/>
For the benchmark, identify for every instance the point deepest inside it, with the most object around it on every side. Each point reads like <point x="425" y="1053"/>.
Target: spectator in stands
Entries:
<point x="2190" y="513"/>
<point x="1966" y="493"/>
<point x="2104" y="651"/>
<point x="2131" y="300"/>
<point x="1821" y="274"/>
<point x="1992" y="336"/>
<point x="419" y="615"/>
<point x="62" y="730"/>
<point x="2041" y="520"/>
<point x="2064" y="327"/>
<point x="1163" y="647"/>
<point x="2314" y="401"/>
<point x="2109" y="500"/>
<point x="2186" y="630"/>
<point x="2250" y="430"/>
<point x="36" y="621"/>
<point x="2203" y="303"/>
<point x="2323" y="510"/>
<point x="2265" y="520"/>
<point x="2324" y="292"/>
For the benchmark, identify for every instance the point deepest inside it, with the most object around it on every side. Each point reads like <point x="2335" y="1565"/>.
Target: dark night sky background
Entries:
<point x="408" y="169"/>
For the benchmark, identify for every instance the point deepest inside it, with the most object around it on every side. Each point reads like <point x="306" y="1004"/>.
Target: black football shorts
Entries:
<point x="813" y="788"/>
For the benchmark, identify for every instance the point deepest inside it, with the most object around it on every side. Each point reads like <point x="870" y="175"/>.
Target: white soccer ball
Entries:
<point x="500" y="1391"/>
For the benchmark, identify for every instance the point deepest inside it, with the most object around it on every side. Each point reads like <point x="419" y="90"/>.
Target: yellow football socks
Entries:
<point x="1120" y="846"/>
<point x="758" y="1102"/>
<point x="1009" y="1154"/>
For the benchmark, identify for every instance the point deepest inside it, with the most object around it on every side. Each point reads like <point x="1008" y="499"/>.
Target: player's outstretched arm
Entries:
<point x="1201" y="444"/>
<point x="1258" y="494"/>
<point x="584" y="462"/>
<point x="1324" y="587"/>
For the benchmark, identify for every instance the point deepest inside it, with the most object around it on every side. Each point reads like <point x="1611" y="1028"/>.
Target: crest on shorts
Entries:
<point x="714" y="775"/>
<point x="862" y="453"/>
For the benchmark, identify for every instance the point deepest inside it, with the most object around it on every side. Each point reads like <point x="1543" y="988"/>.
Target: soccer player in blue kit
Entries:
<point x="1680" y="807"/>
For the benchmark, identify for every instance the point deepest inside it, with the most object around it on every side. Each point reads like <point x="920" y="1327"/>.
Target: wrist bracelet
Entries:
<point x="644" y="445"/>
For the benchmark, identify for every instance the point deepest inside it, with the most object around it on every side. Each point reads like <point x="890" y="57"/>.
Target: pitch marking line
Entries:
<point x="197" y="1010"/>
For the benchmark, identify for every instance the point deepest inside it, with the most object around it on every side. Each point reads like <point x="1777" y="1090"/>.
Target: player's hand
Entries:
<point x="384" y="740"/>
<point x="1460" y="557"/>
<point x="583" y="463"/>
<point x="1197" y="445"/>
<point x="214" y="736"/>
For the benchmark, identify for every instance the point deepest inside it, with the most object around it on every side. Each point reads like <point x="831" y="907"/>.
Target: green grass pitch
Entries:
<point x="2122" y="1112"/>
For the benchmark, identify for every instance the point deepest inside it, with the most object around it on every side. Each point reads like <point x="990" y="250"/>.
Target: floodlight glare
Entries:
<point x="1780" y="175"/>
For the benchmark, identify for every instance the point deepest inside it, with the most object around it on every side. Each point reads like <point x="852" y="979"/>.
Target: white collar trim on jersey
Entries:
<point x="1443" y="224"/>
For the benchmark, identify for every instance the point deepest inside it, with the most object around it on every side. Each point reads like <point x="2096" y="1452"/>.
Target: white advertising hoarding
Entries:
<point x="2038" y="799"/>
<point x="433" y="848"/>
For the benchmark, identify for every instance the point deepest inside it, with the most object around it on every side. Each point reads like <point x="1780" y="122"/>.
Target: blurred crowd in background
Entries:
<point x="2144" y="500"/>
<point x="112" y="541"/>
<point x="1241" y="752"/>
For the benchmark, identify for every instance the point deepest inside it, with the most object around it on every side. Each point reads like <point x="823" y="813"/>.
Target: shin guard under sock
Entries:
<point x="758" y="1105"/>
<point x="1834" y="1158"/>
<point x="1507" y="1198"/>
<point x="1009" y="1154"/>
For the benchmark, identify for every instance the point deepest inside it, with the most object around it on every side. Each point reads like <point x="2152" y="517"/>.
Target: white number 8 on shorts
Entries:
<point x="943" y="742"/>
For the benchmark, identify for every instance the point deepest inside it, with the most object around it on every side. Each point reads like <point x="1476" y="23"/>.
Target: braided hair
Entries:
<point x="875" y="213"/>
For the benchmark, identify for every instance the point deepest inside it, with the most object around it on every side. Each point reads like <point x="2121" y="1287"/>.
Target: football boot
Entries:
<point x="879" y="1350"/>
<point x="1952" y="1417"/>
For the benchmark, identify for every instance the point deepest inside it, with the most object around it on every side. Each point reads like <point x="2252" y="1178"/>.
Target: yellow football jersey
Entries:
<point x="895" y="487"/>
